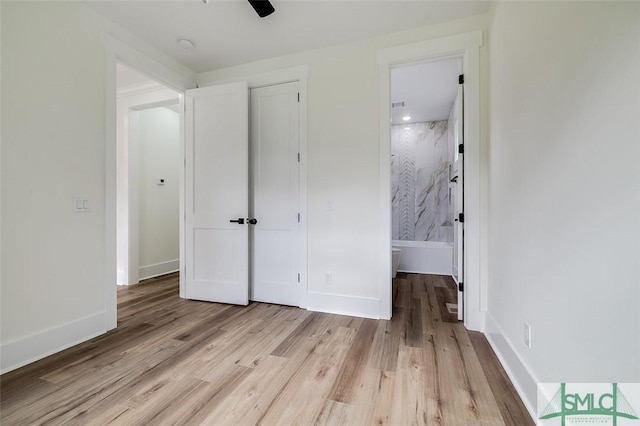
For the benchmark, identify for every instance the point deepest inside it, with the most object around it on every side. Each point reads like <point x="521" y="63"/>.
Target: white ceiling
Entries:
<point x="228" y="32"/>
<point x="428" y="90"/>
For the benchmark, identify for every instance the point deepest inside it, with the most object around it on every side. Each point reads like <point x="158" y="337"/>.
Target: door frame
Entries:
<point x="467" y="47"/>
<point x="286" y="75"/>
<point x="129" y="105"/>
<point x="115" y="51"/>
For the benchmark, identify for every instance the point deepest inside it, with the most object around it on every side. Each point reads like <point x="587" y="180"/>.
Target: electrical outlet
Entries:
<point x="527" y="335"/>
<point x="328" y="278"/>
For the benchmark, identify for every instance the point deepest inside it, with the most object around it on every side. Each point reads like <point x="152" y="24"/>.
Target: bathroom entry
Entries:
<point x="426" y="169"/>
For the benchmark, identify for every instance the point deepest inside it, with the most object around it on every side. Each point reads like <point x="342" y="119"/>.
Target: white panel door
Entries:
<point x="275" y="193"/>
<point x="458" y="201"/>
<point x="217" y="185"/>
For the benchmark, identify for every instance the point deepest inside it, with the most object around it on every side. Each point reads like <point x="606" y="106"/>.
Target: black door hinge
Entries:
<point x="461" y="217"/>
<point x="298" y="96"/>
<point x="460" y="286"/>
<point x="461" y="79"/>
<point x="461" y="149"/>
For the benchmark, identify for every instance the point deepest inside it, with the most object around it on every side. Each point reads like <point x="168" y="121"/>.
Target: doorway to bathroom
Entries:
<point x="427" y="182"/>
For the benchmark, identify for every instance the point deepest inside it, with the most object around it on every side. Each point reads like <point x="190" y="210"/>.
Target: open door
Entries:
<point x="458" y="199"/>
<point x="216" y="195"/>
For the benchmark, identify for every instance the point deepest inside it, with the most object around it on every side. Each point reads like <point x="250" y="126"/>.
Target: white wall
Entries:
<point x="158" y="157"/>
<point x="53" y="148"/>
<point x="343" y="157"/>
<point x="565" y="191"/>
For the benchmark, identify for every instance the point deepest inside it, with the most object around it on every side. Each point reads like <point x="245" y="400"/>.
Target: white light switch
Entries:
<point x="81" y="204"/>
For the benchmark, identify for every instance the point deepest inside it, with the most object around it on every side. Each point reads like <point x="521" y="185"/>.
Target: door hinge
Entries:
<point x="298" y="96"/>
<point x="461" y="79"/>
<point x="298" y="157"/>
<point x="298" y="217"/>
<point x="461" y="149"/>
<point x="460" y="286"/>
<point x="298" y="277"/>
<point x="461" y="217"/>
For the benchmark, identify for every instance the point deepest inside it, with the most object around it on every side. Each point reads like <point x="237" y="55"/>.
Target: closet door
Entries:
<point x="216" y="196"/>
<point x="275" y="194"/>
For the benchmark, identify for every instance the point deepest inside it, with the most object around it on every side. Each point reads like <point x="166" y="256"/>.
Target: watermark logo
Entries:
<point x="588" y="404"/>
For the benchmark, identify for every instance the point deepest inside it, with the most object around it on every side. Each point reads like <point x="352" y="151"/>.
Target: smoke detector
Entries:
<point x="186" y="44"/>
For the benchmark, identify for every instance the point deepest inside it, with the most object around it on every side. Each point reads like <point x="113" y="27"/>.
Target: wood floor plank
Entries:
<point x="355" y="363"/>
<point x="384" y="353"/>
<point x="374" y="398"/>
<point x="413" y="324"/>
<point x="446" y="295"/>
<point x="511" y="407"/>
<point x="409" y="398"/>
<point x="176" y="361"/>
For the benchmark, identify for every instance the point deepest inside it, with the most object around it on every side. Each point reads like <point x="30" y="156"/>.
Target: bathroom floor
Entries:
<point x="438" y="291"/>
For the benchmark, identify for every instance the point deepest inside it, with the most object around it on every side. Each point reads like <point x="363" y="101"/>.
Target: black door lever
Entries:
<point x="239" y="221"/>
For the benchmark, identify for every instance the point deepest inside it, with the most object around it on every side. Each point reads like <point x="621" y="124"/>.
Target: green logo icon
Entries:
<point x="588" y="404"/>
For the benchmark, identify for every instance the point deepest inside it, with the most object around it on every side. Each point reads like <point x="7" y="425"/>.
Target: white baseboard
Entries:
<point x="150" y="271"/>
<point x="23" y="351"/>
<point x="520" y="374"/>
<point x="343" y="305"/>
<point x="406" y="271"/>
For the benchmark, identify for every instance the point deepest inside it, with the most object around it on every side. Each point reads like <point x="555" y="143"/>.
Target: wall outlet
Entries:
<point x="527" y="335"/>
<point x="328" y="278"/>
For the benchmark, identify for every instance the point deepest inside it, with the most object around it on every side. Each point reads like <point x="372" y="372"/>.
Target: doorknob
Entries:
<point x="239" y="221"/>
<point x="252" y="221"/>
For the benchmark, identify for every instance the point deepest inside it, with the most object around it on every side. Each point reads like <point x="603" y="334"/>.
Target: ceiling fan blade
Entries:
<point x="262" y="7"/>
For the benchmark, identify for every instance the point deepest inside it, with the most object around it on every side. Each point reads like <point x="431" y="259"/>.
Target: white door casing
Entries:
<point x="275" y="188"/>
<point x="216" y="169"/>
<point x="465" y="46"/>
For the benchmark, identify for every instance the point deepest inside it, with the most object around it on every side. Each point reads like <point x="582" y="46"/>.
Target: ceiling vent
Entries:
<point x="397" y="104"/>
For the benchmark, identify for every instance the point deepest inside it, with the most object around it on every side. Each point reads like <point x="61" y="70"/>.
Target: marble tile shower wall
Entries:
<point x="420" y="158"/>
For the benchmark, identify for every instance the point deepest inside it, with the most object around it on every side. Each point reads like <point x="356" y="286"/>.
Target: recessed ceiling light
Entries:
<point x="407" y="128"/>
<point x="186" y="44"/>
<point x="406" y="118"/>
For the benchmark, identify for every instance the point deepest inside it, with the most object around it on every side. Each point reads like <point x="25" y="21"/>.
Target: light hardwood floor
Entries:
<point x="173" y="361"/>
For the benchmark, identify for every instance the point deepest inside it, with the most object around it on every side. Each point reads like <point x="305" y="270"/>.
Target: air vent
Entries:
<point x="397" y="104"/>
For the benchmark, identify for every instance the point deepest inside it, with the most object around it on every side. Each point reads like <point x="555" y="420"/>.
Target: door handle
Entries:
<point x="239" y="221"/>
<point x="252" y="221"/>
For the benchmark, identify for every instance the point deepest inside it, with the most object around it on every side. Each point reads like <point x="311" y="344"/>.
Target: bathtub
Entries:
<point x="425" y="257"/>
